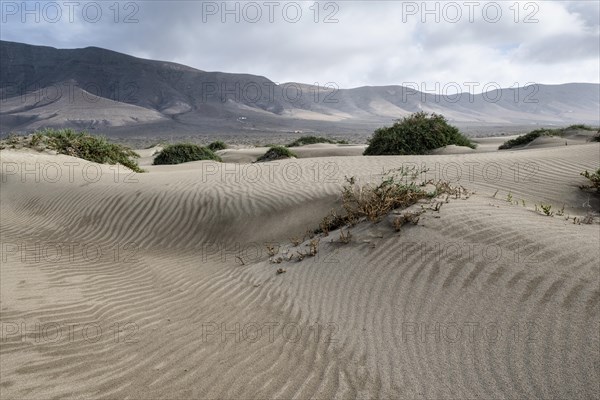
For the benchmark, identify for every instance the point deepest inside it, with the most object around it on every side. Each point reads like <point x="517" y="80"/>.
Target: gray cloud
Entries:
<point x="373" y="43"/>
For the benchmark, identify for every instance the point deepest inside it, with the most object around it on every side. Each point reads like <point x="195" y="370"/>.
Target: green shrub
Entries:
<point x="276" y="153"/>
<point x="184" y="152"/>
<point x="304" y="140"/>
<point x="12" y="139"/>
<point x="217" y="145"/>
<point x="531" y="136"/>
<point x="594" y="178"/>
<point x="86" y="146"/>
<point x="579" y="127"/>
<point x="36" y="139"/>
<point x="418" y="133"/>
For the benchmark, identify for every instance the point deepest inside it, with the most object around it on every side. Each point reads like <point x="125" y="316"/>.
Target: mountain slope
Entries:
<point x="162" y="96"/>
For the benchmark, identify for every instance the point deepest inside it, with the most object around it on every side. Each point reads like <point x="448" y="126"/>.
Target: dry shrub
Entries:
<point x="398" y="189"/>
<point x="409" y="217"/>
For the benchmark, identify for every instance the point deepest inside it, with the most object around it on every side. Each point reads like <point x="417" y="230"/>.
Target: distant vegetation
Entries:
<point x="531" y="136"/>
<point x="304" y="140"/>
<point x="79" y="144"/>
<point x="184" y="152"/>
<point x="217" y="145"/>
<point x="418" y="133"/>
<point x="276" y="153"/>
<point x="579" y="127"/>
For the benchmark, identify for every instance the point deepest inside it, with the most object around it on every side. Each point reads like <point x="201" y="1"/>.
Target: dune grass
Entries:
<point x="276" y="153"/>
<point x="82" y="145"/>
<point x="184" y="152"/>
<point x="594" y="178"/>
<point x="531" y="136"/>
<point x="579" y="127"/>
<point x="416" y="134"/>
<point x="304" y="140"/>
<point x="398" y="189"/>
<point x="217" y="145"/>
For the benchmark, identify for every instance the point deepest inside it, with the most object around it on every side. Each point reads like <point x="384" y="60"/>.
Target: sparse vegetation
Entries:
<point x="12" y="139"/>
<point x="217" y="145"/>
<point x="594" y="178"/>
<point x="271" y="250"/>
<point x="276" y="153"/>
<point x="509" y="197"/>
<point x="398" y="189"/>
<point x="296" y="241"/>
<point x="184" y="152"/>
<point x="588" y="219"/>
<point x="579" y="127"/>
<point x="313" y="247"/>
<point x="373" y="202"/>
<point x="531" y="136"/>
<point x="546" y="209"/>
<point x="81" y="145"/>
<point x="345" y="238"/>
<point x="418" y="133"/>
<point x="412" y="217"/>
<point x="304" y="140"/>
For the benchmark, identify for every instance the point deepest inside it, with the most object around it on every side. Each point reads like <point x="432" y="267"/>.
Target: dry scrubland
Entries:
<point x="206" y="279"/>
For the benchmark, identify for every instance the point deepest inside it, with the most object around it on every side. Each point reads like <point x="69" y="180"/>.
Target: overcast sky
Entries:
<point x="350" y="43"/>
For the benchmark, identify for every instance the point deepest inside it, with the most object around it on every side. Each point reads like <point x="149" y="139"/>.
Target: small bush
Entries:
<point x="86" y="146"/>
<point x="36" y="139"/>
<point x="276" y="153"/>
<point x="184" y="152"/>
<point x="546" y="209"/>
<point x="304" y="140"/>
<point x="579" y="127"/>
<point x="418" y="133"/>
<point x="217" y="145"/>
<point x="594" y="178"/>
<point x="530" y="137"/>
<point x="373" y="202"/>
<point x="12" y="139"/>
<point x="412" y="217"/>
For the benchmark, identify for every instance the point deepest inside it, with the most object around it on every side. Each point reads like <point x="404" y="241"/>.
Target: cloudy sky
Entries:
<point x="350" y="43"/>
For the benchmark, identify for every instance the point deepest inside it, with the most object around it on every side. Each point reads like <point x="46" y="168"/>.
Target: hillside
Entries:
<point x="44" y="86"/>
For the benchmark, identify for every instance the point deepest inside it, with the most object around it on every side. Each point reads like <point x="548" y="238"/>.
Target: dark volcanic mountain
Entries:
<point x="94" y="88"/>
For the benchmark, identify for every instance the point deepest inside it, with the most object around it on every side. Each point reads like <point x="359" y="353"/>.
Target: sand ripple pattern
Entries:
<point x="482" y="300"/>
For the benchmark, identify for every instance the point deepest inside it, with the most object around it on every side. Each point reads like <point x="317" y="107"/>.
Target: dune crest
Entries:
<point x="163" y="286"/>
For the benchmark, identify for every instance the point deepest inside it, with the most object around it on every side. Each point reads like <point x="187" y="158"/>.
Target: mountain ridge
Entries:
<point x="192" y="100"/>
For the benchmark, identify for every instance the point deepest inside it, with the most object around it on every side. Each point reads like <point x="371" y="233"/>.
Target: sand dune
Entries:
<point x="485" y="299"/>
<point x="249" y="155"/>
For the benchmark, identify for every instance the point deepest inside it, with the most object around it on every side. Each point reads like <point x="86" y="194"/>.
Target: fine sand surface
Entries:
<point x="131" y="286"/>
